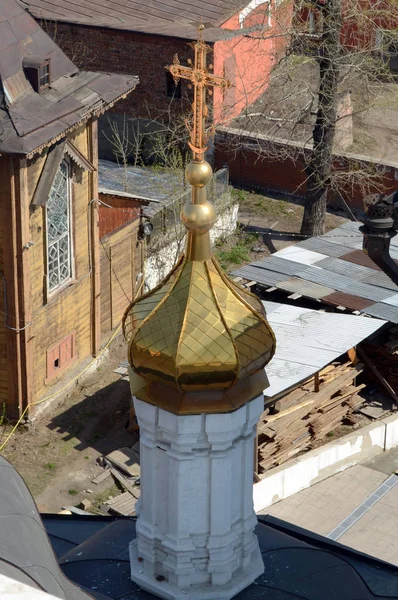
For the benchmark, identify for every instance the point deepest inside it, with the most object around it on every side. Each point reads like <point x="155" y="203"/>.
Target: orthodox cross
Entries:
<point x="200" y="79"/>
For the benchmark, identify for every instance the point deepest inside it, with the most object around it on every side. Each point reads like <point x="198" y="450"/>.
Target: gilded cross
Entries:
<point x="201" y="79"/>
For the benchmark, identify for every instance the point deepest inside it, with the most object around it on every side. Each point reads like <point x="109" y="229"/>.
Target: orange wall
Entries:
<point x="248" y="62"/>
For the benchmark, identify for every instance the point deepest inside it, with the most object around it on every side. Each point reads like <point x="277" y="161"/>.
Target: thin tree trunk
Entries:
<point x="320" y="164"/>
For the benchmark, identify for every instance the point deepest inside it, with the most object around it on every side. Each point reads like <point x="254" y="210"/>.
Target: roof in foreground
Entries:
<point x="175" y="18"/>
<point x="299" y="565"/>
<point x="333" y="269"/>
<point x="30" y="120"/>
<point x="309" y="340"/>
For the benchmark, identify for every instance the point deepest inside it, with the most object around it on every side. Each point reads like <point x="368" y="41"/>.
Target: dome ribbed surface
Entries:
<point x="198" y="330"/>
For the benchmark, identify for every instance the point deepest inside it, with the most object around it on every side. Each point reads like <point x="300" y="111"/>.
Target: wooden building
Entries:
<point x="50" y="298"/>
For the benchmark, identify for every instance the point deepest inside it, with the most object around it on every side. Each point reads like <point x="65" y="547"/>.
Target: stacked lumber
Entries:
<point x="310" y="416"/>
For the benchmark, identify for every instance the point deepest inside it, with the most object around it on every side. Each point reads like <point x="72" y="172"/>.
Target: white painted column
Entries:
<point x="195" y="527"/>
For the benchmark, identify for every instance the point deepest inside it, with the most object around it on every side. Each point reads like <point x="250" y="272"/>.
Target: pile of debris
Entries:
<point x="311" y="414"/>
<point x="124" y="466"/>
<point x="385" y="359"/>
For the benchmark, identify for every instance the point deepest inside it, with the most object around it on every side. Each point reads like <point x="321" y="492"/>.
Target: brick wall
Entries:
<point x="100" y="49"/>
<point x="285" y="176"/>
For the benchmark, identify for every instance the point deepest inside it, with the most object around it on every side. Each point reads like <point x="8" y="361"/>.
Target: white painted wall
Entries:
<point x="314" y="466"/>
<point x="391" y="424"/>
<point x="159" y="264"/>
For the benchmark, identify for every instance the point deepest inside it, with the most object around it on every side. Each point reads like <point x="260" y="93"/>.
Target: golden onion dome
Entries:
<point x="198" y="342"/>
<point x="198" y="330"/>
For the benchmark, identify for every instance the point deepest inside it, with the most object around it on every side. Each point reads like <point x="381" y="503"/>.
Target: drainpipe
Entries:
<point x="380" y="226"/>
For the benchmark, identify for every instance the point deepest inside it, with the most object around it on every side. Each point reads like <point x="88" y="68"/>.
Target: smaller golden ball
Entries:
<point x="198" y="218"/>
<point x="198" y="173"/>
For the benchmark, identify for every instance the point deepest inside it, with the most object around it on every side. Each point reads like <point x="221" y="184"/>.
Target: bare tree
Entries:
<point x="329" y="67"/>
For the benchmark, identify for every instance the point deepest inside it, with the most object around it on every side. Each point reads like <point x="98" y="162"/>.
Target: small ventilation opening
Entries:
<point x="56" y="363"/>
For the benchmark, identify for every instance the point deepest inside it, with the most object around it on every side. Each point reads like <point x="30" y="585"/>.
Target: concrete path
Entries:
<point x="358" y="507"/>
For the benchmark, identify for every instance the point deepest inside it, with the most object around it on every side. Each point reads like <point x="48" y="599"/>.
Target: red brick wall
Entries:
<point x="98" y="49"/>
<point x="247" y="169"/>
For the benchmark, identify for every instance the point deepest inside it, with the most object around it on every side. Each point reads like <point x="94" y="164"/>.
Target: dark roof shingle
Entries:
<point x="29" y="120"/>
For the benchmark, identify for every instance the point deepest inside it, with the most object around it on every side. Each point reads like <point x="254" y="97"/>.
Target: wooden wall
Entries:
<point x="121" y="255"/>
<point x="4" y="193"/>
<point x="68" y="310"/>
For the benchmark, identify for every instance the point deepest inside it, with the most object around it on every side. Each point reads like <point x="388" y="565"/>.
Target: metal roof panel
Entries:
<point x="318" y="244"/>
<point x="382" y="311"/>
<point x="305" y="288"/>
<point x="308" y="340"/>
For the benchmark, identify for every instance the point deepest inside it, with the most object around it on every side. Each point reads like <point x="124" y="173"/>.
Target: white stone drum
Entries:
<point x="195" y="527"/>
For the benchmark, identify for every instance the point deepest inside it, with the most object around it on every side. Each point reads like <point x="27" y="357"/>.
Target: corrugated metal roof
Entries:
<point x="318" y="244"/>
<point x="383" y="311"/>
<point x="305" y="288"/>
<point x="308" y="340"/>
<point x="346" y="268"/>
<point x="344" y="278"/>
<point x="392" y="300"/>
<point x="381" y="280"/>
<point x="279" y="265"/>
<point x="359" y="257"/>
<point x="341" y="283"/>
<point x="348" y="300"/>
<point x="262" y="276"/>
<point x="348" y="240"/>
<point x="301" y="255"/>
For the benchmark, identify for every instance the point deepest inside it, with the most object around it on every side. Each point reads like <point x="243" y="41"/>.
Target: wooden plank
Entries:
<point x="24" y="281"/>
<point x="316" y="382"/>
<point x="352" y="355"/>
<point x="123" y="505"/>
<point x="101" y="477"/>
<point x="288" y="411"/>
<point x="10" y="254"/>
<point x="126" y="460"/>
<point x="95" y="242"/>
<point x="128" y="486"/>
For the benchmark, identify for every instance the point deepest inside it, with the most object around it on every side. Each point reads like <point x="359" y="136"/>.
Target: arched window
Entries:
<point x="58" y="227"/>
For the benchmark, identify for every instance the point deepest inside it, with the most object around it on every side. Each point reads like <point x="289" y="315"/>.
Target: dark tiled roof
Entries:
<point x="29" y="120"/>
<point x="321" y="268"/>
<point x="174" y="18"/>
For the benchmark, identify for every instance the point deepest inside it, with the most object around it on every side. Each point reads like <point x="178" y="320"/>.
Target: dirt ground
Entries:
<point x="265" y="225"/>
<point x="57" y="454"/>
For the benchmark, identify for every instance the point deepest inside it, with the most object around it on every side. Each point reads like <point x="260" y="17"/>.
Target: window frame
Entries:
<point x="50" y="293"/>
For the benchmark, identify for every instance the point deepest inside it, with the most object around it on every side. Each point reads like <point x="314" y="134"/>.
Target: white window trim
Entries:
<point x="52" y="292"/>
<point x="253" y="4"/>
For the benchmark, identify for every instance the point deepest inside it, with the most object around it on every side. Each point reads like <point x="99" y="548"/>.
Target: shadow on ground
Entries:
<point x="99" y="420"/>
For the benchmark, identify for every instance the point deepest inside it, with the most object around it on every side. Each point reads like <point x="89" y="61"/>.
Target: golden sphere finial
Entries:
<point x="198" y="218"/>
<point x="198" y="173"/>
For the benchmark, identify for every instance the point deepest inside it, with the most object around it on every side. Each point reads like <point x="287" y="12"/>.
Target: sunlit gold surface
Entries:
<point x="198" y="341"/>
<point x="198" y="218"/>
<point x="198" y="174"/>
<point x="198" y="331"/>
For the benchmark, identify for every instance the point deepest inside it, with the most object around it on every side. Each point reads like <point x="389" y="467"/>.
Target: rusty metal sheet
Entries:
<point x="359" y="257"/>
<point x="348" y="300"/>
